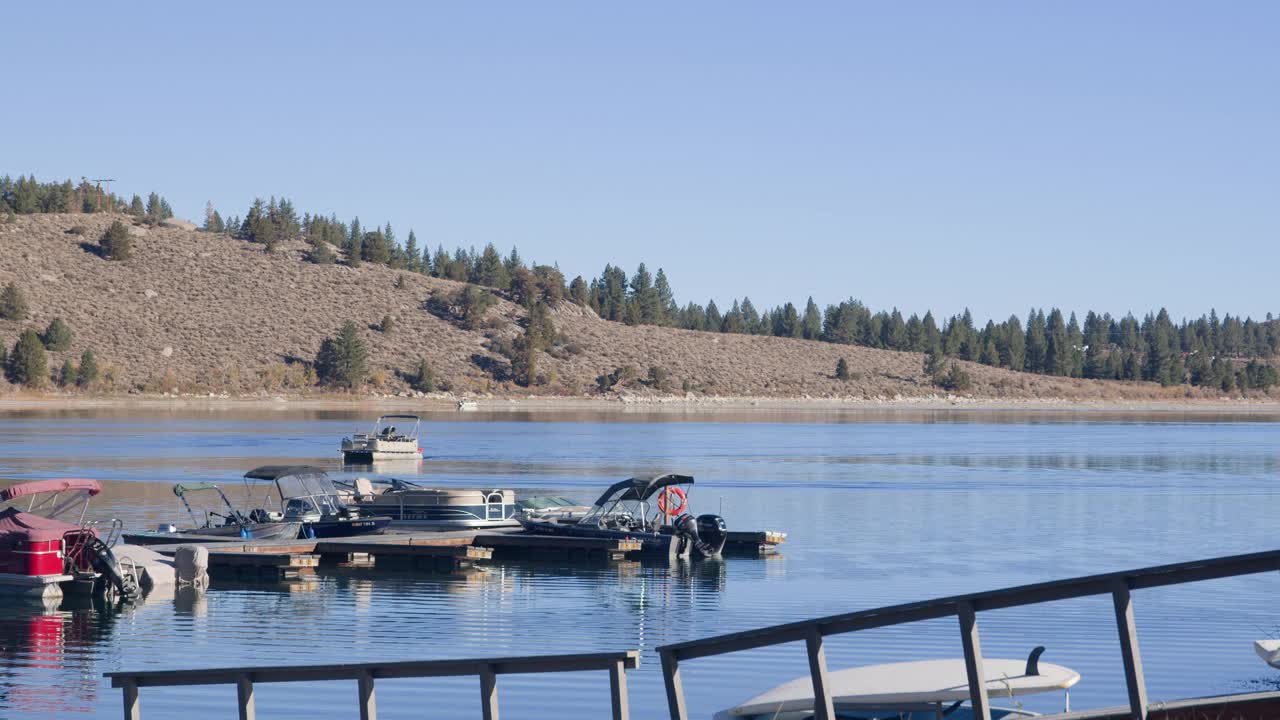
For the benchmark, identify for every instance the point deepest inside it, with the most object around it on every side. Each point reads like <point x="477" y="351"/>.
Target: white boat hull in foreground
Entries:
<point x="890" y="690"/>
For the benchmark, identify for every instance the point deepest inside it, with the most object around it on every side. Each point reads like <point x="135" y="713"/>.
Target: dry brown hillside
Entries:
<point x="195" y="312"/>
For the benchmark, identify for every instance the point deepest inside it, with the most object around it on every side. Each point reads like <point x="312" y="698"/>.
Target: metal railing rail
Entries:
<point x="487" y="669"/>
<point x="965" y="607"/>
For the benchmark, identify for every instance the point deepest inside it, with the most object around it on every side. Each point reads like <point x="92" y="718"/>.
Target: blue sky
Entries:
<point x="1114" y="156"/>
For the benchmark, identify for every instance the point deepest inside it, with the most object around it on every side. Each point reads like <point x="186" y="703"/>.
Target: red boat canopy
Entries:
<point x="16" y="525"/>
<point x="49" y="486"/>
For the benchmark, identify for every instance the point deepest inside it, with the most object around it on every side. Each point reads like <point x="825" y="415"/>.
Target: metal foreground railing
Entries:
<point x="487" y="669"/>
<point x="965" y="607"/>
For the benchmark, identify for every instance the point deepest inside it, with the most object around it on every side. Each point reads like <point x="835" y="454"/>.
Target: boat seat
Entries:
<point x="363" y="488"/>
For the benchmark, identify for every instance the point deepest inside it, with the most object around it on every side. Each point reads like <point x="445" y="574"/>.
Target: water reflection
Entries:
<point x="879" y="511"/>
<point x="44" y="648"/>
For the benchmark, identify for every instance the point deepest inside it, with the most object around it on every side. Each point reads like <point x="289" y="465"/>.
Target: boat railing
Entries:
<point x="365" y="675"/>
<point x="1119" y="585"/>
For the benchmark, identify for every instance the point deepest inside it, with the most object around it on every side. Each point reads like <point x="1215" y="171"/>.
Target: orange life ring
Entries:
<point x="673" y="490"/>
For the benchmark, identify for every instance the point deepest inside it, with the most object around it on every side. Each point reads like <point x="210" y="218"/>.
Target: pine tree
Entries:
<point x="1057" y="347"/>
<point x="713" y="316"/>
<point x="13" y="305"/>
<point x="67" y="374"/>
<point x="667" y="307"/>
<point x="27" y="363"/>
<point x="116" y="243"/>
<point x="423" y="378"/>
<point x="645" y="297"/>
<point x="411" y="253"/>
<point x="57" y="336"/>
<point x="1036" y="343"/>
<point x="136" y="208"/>
<point x="353" y="248"/>
<point x="87" y="374"/>
<point x="578" y="291"/>
<point x="842" y="369"/>
<point x="375" y="248"/>
<point x="811" y="326"/>
<point x="490" y="270"/>
<point x="342" y="360"/>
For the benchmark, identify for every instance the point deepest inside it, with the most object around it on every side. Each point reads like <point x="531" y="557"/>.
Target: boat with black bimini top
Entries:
<point x="384" y="442"/>
<point x="917" y="690"/>
<point x="649" y="508"/>
<point x="308" y="496"/>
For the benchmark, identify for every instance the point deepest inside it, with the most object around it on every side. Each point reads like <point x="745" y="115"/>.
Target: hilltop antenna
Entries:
<point x="98" y="182"/>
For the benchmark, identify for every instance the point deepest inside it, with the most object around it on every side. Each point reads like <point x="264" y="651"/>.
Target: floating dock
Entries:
<point x="448" y="551"/>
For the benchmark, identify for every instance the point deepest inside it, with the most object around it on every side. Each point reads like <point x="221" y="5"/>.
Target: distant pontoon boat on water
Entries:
<point x="919" y="690"/>
<point x="385" y="442"/>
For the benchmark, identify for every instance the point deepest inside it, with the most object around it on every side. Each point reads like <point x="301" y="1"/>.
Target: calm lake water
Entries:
<point x="880" y="510"/>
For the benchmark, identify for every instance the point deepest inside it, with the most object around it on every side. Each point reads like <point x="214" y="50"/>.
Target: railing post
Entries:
<point x="675" y="690"/>
<point x="130" y="692"/>
<point x="823" y="706"/>
<point x="488" y="693"/>
<point x="368" y="705"/>
<point x="618" y="691"/>
<point x="244" y="694"/>
<point x="973" y="660"/>
<point x="1133" y="677"/>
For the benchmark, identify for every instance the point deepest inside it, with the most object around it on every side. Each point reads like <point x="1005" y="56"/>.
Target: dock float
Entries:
<point x="272" y="566"/>
<point x="521" y="545"/>
<point x="753" y="543"/>
<point x="447" y="551"/>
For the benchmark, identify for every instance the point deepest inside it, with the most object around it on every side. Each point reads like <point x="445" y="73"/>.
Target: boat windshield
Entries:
<point x="628" y="504"/>
<point x="316" y="490"/>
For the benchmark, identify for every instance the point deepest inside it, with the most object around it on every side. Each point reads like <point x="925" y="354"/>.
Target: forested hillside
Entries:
<point x="274" y="301"/>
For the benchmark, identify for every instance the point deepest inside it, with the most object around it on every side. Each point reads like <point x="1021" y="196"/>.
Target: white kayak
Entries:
<point x="916" y="684"/>
<point x="1269" y="651"/>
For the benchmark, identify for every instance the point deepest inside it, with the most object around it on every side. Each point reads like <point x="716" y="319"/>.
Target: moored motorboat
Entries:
<point x="384" y="442"/>
<point x="308" y="496"/>
<point x="43" y="554"/>
<point x="924" y="689"/>
<point x="649" y="508"/>
<point x="413" y="506"/>
<point x="230" y="524"/>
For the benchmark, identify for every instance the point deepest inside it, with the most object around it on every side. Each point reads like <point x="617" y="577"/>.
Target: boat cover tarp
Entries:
<point x="642" y="487"/>
<point x="18" y="526"/>
<point x="922" y="682"/>
<point x="93" y="487"/>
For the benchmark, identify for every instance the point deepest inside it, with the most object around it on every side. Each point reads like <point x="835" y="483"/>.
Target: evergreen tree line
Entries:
<point x="1208" y="351"/>
<point x="27" y="196"/>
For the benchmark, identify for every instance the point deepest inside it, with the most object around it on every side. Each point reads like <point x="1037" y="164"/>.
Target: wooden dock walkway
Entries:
<point x="438" y="551"/>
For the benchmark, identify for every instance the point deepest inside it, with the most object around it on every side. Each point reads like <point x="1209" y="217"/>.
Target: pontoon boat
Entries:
<point x="48" y="548"/>
<point x="384" y="442"/>
<point x="308" y="496"/>
<point x="920" y="690"/>
<point x="625" y="510"/>
<point x="413" y="506"/>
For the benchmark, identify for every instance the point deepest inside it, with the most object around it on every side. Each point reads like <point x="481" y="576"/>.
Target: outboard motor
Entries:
<point x="707" y="532"/>
<point x="713" y="533"/>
